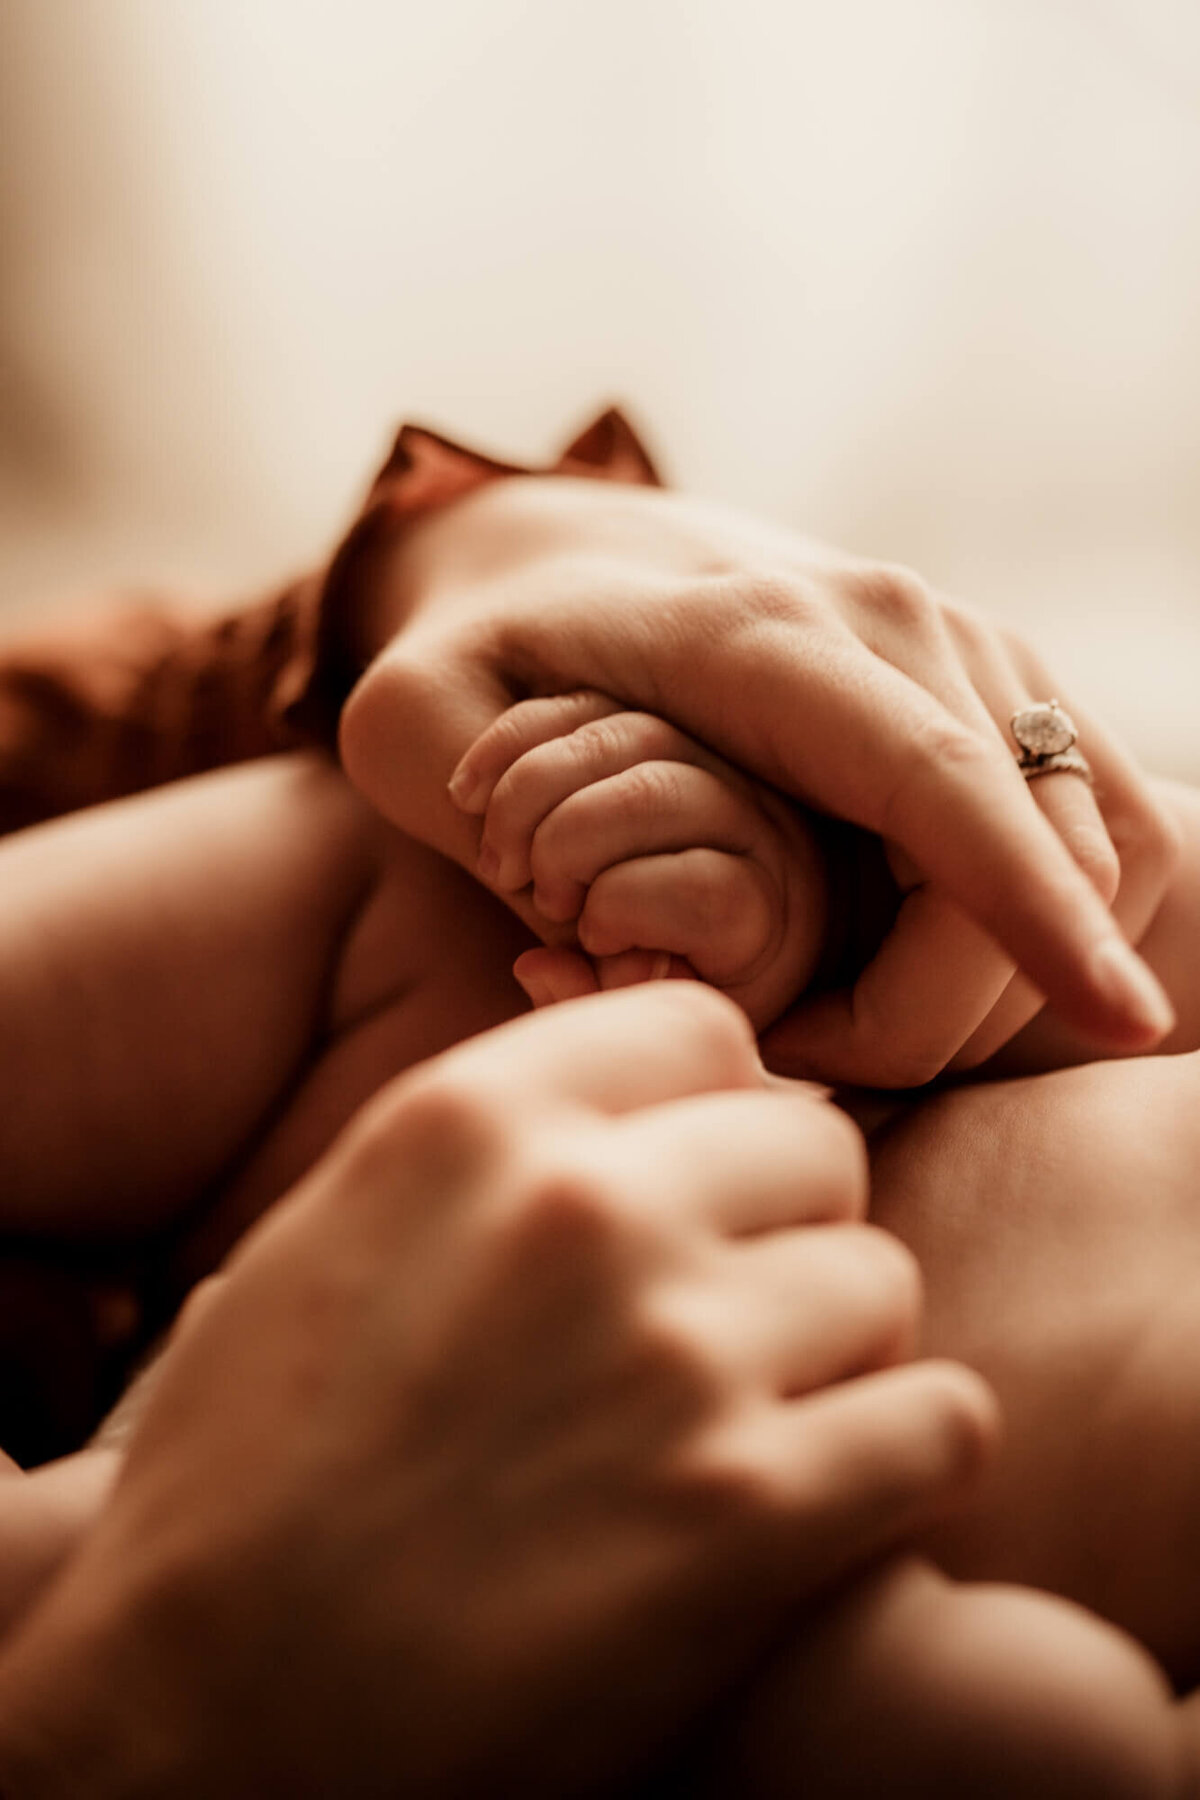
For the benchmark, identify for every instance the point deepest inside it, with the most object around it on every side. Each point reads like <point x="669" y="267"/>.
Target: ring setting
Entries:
<point x="1046" y="736"/>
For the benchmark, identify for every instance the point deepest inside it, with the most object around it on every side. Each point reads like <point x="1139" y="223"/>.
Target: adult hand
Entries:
<point x="849" y="685"/>
<point x="505" y="1441"/>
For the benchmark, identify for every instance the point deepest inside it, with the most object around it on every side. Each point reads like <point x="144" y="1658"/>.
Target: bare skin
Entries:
<point x="960" y="1180"/>
<point x="1055" y="1227"/>
<point x="849" y="685"/>
<point x="1055" y="1222"/>
<point x="371" y="1538"/>
<point x="200" y="986"/>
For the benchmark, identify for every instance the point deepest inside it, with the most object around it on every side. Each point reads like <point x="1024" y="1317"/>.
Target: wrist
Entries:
<point x="398" y="552"/>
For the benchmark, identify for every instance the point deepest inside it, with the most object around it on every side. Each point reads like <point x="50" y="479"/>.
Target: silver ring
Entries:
<point x="1046" y="737"/>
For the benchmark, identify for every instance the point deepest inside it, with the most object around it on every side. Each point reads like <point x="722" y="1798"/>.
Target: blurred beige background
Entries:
<point x="922" y="276"/>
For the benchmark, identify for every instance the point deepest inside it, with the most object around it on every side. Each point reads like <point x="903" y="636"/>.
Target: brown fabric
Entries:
<point x="146" y="694"/>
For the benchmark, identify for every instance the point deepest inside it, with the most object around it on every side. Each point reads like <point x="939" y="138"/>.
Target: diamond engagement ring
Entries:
<point x="1046" y="735"/>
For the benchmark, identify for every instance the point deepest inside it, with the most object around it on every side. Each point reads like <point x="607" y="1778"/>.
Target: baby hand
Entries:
<point x="645" y="850"/>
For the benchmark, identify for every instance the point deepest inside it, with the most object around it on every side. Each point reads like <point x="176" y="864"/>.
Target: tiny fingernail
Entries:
<point x="661" y="966"/>
<point x="1127" y="983"/>
<point x="466" y="790"/>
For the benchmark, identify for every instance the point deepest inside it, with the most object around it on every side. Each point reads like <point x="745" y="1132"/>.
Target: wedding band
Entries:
<point x="1046" y="737"/>
<point x="1066" y="762"/>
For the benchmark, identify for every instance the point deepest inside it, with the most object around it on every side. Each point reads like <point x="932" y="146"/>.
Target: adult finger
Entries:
<point x="834" y="724"/>
<point x="824" y="719"/>
<point x="802" y="1308"/>
<point x="934" y="979"/>
<point x="1009" y="680"/>
<point x="613" y="1053"/>
<point x="1066" y="802"/>
<point x="1141" y="831"/>
<point x="1117" y="832"/>
<point x="860" y="1464"/>
<point x="748" y="1163"/>
<point x="1002" y="683"/>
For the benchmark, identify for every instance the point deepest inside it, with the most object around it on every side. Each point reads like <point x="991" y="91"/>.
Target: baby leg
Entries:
<point x="914" y="1687"/>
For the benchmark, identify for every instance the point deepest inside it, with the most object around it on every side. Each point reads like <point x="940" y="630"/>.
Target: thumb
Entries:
<point x="404" y="729"/>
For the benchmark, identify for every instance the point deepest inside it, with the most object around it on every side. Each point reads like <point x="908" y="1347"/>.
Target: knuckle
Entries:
<point x="508" y="729"/>
<point x="442" y="1109"/>
<point x="724" y="1484"/>
<point x="719" y="1027"/>
<point x="1093" y="851"/>
<point x="945" y="740"/>
<point x="845" y="1166"/>
<point x="576" y="701"/>
<point x="647" y="736"/>
<point x="960" y="1415"/>
<point x="670" y="1346"/>
<point x="942" y="749"/>
<point x="524" y="779"/>
<point x="891" y="1282"/>
<point x="651" y="791"/>
<point x="781" y="599"/>
<point x="899" y="594"/>
<point x="389" y="707"/>
<point x="600" y="740"/>
<point x="567" y="1211"/>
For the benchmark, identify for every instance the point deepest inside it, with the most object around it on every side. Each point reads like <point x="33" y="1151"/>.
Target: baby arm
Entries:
<point x="917" y="1687"/>
<point x="163" y="970"/>
<point x="649" y="853"/>
<point x="199" y="985"/>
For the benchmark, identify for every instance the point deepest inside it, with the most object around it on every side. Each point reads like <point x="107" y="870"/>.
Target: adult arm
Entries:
<point x="849" y="684"/>
<point x="372" y="1537"/>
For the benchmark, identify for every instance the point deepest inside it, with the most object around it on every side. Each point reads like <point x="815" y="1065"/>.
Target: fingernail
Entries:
<point x="466" y="790"/>
<point x="1124" y="980"/>
<point x="660" y="967"/>
<point x="488" y="863"/>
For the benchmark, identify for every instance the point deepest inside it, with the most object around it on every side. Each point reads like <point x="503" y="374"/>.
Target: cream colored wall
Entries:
<point x="920" y="275"/>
